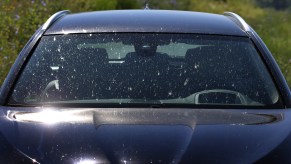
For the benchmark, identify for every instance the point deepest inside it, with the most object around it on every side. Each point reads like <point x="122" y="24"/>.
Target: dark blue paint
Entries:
<point x="145" y="21"/>
<point x="210" y="141"/>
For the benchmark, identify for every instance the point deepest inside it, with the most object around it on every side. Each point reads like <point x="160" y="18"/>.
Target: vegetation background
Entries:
<point x="271" y="19"/>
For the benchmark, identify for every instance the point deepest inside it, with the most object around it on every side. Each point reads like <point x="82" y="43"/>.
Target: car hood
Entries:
<point x="142" y="135"/>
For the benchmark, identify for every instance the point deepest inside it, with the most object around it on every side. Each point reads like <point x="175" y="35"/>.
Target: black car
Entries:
<point x="145" y="86"/>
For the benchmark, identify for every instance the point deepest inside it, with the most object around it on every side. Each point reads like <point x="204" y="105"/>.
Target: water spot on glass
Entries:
<point x="186" y="81"/>
<point x="196" y="66"/>
<point x="170" y="93"/>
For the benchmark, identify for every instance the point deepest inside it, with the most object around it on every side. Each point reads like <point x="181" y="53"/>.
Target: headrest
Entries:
<point x="205" y="51"/>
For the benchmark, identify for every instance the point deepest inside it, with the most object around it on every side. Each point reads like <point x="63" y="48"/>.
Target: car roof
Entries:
<point x="160" y="21"/>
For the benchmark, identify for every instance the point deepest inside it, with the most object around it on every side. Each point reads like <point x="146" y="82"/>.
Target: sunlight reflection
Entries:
<point x="87" y="161"/>
<point x="50" y="116"/>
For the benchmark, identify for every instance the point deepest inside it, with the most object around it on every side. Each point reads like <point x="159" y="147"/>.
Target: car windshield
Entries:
<point x="123" y="69"/>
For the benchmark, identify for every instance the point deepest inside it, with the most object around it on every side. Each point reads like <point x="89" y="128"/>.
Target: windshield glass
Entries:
<point x="143" y="68"/>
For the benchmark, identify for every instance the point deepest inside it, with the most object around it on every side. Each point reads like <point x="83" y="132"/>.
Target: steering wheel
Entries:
<point x="219" y="96"/>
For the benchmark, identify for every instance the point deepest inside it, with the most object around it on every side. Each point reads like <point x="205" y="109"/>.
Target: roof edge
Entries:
<point x="54" y="18"/>
<point x="239" y="21"/>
